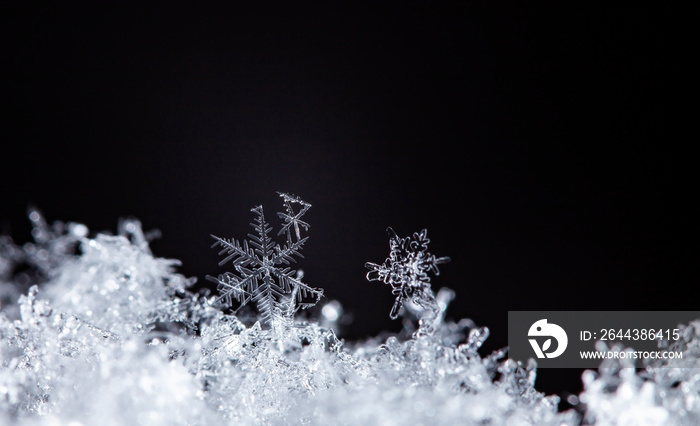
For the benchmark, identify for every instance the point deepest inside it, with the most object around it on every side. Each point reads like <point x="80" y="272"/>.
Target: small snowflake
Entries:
<point x="293" y="219"/>
<point x="406" y="269"/>
<point x="260" y="275"/>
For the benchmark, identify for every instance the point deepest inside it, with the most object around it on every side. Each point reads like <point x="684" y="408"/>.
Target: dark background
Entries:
<point x="540" y="146"/>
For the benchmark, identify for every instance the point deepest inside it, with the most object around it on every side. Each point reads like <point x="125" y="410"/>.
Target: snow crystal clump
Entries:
<point x="116" y="284"/>
<point x="104" y="332"/>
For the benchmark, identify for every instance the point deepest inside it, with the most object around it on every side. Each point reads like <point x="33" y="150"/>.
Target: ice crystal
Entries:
<point x="52" y="246"/>
<point x="406" y="271"/>
<point x="59" y="369"/>
<point x="262" y="276"/>
<point x="134" y="287"/>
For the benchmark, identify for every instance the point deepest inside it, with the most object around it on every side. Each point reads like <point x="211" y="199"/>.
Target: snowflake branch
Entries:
<point x="233" y="248"/>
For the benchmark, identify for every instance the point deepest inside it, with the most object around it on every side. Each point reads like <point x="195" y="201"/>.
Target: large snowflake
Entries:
<point x="262" y="272"/>
<point x="406" y="269"/>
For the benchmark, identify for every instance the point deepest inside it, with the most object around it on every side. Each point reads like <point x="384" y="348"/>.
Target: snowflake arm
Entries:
<point x="239" y="254"/>
<point x="286" y="277"/>
<point x="230" y="287"/>
<point x="286" y="254"/>
<point x="262" y="242"/>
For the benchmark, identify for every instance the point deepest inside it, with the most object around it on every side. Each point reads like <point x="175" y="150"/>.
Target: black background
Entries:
<point x="539" y="145"/>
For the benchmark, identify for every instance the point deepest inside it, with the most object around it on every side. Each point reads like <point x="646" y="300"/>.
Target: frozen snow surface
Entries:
<point x="97" y="330"/>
